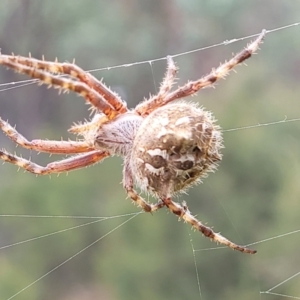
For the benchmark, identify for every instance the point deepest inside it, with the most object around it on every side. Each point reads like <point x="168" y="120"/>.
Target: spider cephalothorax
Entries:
<point x="167" y="145"/>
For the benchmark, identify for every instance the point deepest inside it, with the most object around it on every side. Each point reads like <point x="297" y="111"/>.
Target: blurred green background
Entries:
<point x="253" y="196"/>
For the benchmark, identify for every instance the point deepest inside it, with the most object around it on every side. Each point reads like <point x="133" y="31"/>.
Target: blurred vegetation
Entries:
<point x="253" y="196"/>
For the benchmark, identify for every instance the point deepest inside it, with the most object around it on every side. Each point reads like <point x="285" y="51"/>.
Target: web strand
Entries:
<point x="269" y="291"/>
<point x="99" y="219"/>
<point x="74" y="255"/>
<point x="196" y="266"/>
<point x="285" y="120"/>
<point x="224" y="43"/>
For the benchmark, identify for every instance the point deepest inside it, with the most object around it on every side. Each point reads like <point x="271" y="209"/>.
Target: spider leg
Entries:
<point x="92" y="96"/>
<point x="128" y="186"/>
<point x="55" y="147"/>
<point x="74" y="71"/>
<point x="193" y="87"/>
<point x="184" y="213"/>
<point x="64" y="165"/>
<point x="141" y="202"/>
<point x="169" y="78"/>
<point x="149" y="105"/>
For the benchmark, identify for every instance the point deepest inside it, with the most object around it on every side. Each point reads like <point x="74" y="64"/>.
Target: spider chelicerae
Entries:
<point x="167" y="145"/>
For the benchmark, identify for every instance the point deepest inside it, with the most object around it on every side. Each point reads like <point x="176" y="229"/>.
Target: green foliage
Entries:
<point x="253" y="196"/>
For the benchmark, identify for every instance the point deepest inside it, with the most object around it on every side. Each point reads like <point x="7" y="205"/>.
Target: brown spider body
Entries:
<point x="167" y="145"/>
<point x="184" y="145"/>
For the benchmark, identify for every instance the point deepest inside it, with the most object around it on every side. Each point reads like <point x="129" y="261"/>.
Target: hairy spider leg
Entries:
<point x="193" y="87"/>
<point x="146" y="107"/>
<point x="74" y="71"/>
<point x="81" y="88"/>
<point x="128" y="186"/>
<point x="184" y="213"/>
<point x="141" y="202"/>
<point x="54" y="147"/>
<point x="181" y="211"/>
<point x="64" y="165"/>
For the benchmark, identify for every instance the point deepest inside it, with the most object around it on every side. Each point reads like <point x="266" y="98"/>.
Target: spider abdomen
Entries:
<point x="175" y="146"/>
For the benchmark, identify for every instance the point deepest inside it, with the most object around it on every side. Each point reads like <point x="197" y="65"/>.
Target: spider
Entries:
<point x="167" y="145"/>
